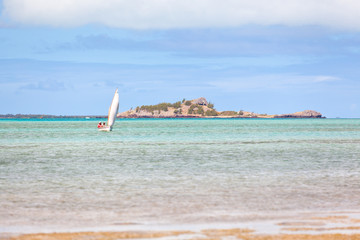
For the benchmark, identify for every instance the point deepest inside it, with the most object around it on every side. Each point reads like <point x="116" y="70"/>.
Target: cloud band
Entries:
<point x="167" y="14"/>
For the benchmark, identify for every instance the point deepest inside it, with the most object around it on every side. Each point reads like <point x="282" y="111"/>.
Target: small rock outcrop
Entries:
<point x="303" y="114"/>
<point x="200" y="101"/>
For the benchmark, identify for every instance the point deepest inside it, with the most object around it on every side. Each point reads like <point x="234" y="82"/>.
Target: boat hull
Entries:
<point x="105" y="129"/>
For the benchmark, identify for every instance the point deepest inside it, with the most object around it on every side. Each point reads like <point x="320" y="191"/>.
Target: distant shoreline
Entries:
<point x="45" y="116"/>
<point x="196" y="108"/>
<point x="40" y="116"/>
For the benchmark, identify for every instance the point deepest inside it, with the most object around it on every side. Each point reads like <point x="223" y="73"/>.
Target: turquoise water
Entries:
<point x="173" y="171"/>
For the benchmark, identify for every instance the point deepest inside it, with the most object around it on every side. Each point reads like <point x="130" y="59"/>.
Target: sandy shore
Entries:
<point x="213" y="234"/>
<point x="337" y="226"/>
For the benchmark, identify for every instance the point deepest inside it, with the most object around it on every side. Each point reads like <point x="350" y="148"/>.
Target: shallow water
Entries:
<point x="174" y="171"/>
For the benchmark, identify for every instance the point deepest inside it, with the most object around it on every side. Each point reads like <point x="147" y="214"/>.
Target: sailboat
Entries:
<point x="113" y="110"/>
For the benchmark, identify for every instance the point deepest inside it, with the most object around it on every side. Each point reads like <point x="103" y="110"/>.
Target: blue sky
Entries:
<point x="68" y="57"/>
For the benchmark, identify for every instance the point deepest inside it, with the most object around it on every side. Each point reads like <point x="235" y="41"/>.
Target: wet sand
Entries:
<point x="214" y="234"/>
<point x="339" y="226"/>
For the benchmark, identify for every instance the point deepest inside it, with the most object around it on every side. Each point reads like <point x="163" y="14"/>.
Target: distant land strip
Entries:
<point x="45" y="116"/>
<point x="196" y="108"/>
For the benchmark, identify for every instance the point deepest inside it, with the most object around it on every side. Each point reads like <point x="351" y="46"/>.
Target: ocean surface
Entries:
<point x="64" y="173"/>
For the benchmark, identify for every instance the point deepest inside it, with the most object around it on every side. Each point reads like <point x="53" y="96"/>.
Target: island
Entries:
<point x="201" y="108"/>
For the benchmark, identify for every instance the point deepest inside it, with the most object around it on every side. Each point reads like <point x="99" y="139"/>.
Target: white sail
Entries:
<point x="113" y="110"/>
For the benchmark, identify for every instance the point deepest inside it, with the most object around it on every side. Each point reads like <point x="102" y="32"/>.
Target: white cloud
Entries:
<point x="266" y="82"/>
<point x="353" y="107"/>
<point x="326" y="79"/>
<point x="162" y="14"/>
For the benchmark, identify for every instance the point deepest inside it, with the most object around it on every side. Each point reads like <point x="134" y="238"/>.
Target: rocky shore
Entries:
<point x="201" y="108"/>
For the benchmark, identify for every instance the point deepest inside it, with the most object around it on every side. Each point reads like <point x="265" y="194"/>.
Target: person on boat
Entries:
<point x="103" y="124"/>
<point x="99" y="125"/>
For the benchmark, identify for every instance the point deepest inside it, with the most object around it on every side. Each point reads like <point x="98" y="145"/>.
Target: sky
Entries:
<point x="281" y="56"/>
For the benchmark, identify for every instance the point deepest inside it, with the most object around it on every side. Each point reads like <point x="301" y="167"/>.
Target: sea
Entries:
<point x="65" y="174"/>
